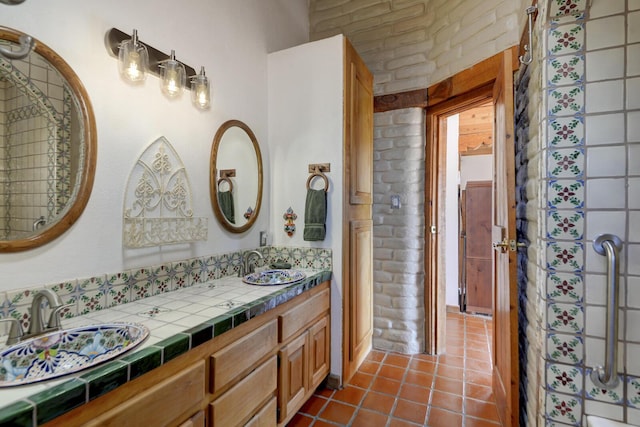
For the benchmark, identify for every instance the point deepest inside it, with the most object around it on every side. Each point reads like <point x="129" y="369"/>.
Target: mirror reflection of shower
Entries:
<point x="37" y="115"/>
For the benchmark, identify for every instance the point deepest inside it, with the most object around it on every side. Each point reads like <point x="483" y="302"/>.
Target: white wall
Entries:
<point x="230" y="38"/>
<point x="306" y="126"/>
<point x="451" y="239"/>
<point x="475" y="168"/>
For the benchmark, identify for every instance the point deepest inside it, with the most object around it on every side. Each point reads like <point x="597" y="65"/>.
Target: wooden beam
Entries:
<point x="474" y="77"/>
<point x="396" y="101"/>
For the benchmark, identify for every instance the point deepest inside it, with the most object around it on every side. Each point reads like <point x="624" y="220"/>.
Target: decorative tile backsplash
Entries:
<point x="590" y="135"/>
<point x="91" y="294"/>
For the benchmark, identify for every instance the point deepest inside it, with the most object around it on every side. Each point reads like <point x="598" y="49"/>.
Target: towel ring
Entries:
<point x="228" y="181"/>
<point x="319" y="175"/>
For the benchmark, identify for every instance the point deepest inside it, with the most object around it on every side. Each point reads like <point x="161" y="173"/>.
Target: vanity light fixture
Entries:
<point x="133" y="59"/>
<point x="172" y="73"/>
<point x="200" y="91"/>
<point x="173" y="76"/>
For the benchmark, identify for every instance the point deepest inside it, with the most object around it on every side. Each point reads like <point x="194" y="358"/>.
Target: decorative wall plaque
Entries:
<point x="157" y="205"/>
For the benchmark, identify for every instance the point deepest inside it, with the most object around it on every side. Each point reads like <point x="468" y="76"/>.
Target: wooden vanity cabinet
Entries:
<point x="304" y="355"/>
<point x="258" y="374"/>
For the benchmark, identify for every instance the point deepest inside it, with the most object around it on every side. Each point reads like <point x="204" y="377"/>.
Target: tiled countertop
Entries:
<point x="178" y="321"/>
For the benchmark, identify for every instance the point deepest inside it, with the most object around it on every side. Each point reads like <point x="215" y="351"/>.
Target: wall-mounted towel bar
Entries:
<point x="606" y="377"/>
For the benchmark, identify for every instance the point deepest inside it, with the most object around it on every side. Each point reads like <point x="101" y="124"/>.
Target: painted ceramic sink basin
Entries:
<point x="67" y="351"/>
<point x="274" y="277"/>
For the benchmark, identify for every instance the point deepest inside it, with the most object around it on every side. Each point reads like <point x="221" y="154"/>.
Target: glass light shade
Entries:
<point x="133" y="59"/>
<point x="173" y="77"/>
<point x="200" y="91"/>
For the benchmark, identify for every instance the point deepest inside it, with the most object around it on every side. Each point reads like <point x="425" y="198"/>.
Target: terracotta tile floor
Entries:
<point x="395" y="390"/>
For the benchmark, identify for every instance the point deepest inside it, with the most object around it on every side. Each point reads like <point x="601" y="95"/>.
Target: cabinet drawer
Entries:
<point x="161" y="404"/>
<point x="298" y="317"/>
<point x="266" y="417"/>
<point x="244" y="398"/>
<point x="195" y="421"/>
<point x="236" y="358"/>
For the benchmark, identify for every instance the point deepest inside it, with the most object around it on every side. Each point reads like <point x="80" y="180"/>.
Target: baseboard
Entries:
<point x="453" y="309"/>
<point x="334" y="382"/>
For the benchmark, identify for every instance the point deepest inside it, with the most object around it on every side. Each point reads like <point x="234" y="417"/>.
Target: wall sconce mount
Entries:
<point x="135" y="58"/>
<point x="116" y="37"/>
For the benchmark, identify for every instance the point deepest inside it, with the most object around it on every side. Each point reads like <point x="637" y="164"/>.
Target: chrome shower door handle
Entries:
<point x="606" y="377"/>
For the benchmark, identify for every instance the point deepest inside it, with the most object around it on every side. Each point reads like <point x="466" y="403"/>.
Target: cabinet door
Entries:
<point x="357" y="252"/>
<point x="319" y="339"/>
<point x="477" y="259"/>
<point x="294" y="375"/>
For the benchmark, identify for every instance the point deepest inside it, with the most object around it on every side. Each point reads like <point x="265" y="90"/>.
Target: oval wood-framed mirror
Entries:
<point x="49" y="175"/>
<point x="235" y="178"/>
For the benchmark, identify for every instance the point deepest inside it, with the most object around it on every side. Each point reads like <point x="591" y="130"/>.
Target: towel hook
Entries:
<point x="317" y="170"/>
<point x="527" y="58"/>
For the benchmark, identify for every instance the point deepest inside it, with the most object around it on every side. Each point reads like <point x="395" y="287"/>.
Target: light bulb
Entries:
<point x="133" y="59"/>
<point x="200" y="92"/>
<point x="134" y="71"/>
<point x="173" y="77"/>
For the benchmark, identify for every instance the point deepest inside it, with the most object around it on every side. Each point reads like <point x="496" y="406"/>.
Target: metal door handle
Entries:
<point x="501" y="246"/>
<point x="505" y="244"/>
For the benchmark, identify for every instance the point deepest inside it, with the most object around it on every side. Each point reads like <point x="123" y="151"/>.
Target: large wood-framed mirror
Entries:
<point x="235" y="178"/>
<point x="47" y="146"/>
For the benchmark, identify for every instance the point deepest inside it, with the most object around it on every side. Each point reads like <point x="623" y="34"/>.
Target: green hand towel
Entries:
<point x="315" y="215"/>
<point x="225" y="199"/>
<point x="281" y="265"/>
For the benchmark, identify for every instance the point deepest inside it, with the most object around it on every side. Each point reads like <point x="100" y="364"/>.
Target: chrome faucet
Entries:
<point x="247" y="266"/>
<point x="36" y="325"/>
<point x="15" y="330"/>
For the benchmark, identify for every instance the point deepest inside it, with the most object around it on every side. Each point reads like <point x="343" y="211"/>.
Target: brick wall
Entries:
<point x="412" y="44"/>
<point x="399" y="233"/>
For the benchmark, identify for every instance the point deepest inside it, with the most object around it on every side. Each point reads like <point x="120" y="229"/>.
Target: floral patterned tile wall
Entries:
<point x="591" y="78"/>
<point x="91" y="294"/>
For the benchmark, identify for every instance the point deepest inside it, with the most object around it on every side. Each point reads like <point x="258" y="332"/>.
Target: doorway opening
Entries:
<point x="469" y="179"/>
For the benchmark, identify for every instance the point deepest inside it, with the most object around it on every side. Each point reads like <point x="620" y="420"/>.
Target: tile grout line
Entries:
<point x="397" y="396"/>
<point x="383" y="362"/>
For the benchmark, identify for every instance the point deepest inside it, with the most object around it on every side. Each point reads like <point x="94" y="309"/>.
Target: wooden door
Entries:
<point x="505" y="323"/>
<point x="357" y="249"/>
<point x="478" y="280"/>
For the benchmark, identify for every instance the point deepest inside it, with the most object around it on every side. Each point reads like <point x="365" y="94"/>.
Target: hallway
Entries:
<point x="395" y="390"/>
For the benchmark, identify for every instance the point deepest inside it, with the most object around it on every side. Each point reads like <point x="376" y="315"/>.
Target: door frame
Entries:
<point x="435" y="278"/>
<point x="462" y="91"/>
